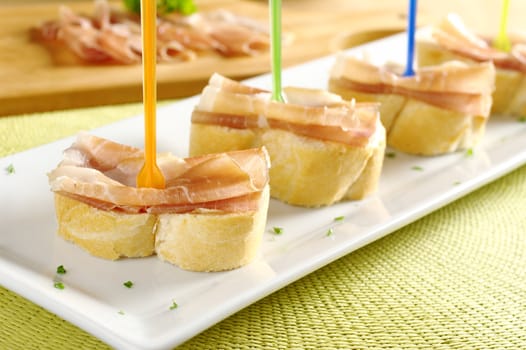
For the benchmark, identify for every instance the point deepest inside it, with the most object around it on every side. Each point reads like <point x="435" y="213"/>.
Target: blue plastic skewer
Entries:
<point x="411" y="24"/>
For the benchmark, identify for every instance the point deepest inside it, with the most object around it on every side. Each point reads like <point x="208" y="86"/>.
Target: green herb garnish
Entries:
<point x="390" y="154"/>
<point x="522" y="119"/>
<point x="174" y="305"/>
<point x="61" y="270"/>
<point x="339" y="218"/>
<point x="128" y="284"/>
<point x="185" y="7"/>
<point x="418" y="168"/>
<point x="469" y="152"/>
<point x="120" y="312"/>
<point x="329" y="232"/>
<point x="277" y="230"/>
<point x="456" y="183"/>
<point x="10" y="169"/>
<point x="59" y="285"/>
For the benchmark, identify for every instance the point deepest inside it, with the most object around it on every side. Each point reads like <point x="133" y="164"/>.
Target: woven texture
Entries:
<point x="454" y="279"/>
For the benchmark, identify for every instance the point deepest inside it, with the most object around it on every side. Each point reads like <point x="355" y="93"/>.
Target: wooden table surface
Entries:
<point x="31" y="82"/>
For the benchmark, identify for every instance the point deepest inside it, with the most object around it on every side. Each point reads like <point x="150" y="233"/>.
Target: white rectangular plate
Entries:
<point x="140" y="318"/>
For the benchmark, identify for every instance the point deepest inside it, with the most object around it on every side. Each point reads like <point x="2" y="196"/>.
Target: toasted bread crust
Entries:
<point x="311" y="172"/>
<point x="203" y="241"/>
<point x="305" y="171"/>
<point x="220" y="140"/>
<point x="416" y="127"/>
<point x="106" y="234"/>
<point x="367" y="182"/>
<point x="509" y="96"/>
<point x="211" y="241"/>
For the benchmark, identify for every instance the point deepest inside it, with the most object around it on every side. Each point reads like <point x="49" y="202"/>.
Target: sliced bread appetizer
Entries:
<point x="322" y="149"/>
<point x="210" y="217"/>
<point x="452" y="40"/>
<point x="441" y="109"/>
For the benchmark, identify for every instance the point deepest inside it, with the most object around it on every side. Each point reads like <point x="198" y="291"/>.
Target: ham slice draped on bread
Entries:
<point x="103" y="173"/>
<point x="453" y="35"/>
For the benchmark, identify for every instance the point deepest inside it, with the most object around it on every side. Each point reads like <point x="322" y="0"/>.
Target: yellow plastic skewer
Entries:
<point x="502" y="42"/>
<point x="150" y="174"/>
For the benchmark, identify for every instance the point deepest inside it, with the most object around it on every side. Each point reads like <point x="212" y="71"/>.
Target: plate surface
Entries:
<point x="94" y="297"/>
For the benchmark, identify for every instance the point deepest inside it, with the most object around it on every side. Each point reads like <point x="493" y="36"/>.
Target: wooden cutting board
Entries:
<point x="31" y="82"/>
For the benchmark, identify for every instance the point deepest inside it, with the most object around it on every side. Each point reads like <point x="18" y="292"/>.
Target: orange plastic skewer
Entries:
<point x="150" y="174"/>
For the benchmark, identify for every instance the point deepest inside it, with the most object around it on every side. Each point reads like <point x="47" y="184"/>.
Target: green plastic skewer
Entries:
<point x="503" y="42"/>
<point x="275" y="49"/>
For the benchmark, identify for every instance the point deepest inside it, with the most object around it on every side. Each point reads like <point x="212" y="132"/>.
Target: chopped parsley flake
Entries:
<point x="339" y="218"/>
<point x="61" y="270"/>
<point x="390" y="154"/>
<point x="277" y="230"/>
<point x="174" y="305"/>
<point x="456" y="183"/>
<point x="59" y="285"/>
<point x="120" y="312"/>
<point x="418" y="168"/>
<point x="522" y="119"/>
<point x="469" y="152"/>
<point x="10" y="169"/>
<point x="128" y="284"/>
<point x="330" y="232"/>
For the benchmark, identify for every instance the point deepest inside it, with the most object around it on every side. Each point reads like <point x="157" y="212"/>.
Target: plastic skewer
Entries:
<point x="411" y="25"/>
<point x="275" y="48"/>
<point x="150" y="175"/>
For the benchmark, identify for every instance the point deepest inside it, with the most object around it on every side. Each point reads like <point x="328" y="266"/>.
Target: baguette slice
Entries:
<point x="322" y="149"/>
<point x="452" y="40"/>
<point x="105" y="233"/>
<point x="210" y="217"/>
<point x="440" y="110"/>
<point x="211" y="240"/>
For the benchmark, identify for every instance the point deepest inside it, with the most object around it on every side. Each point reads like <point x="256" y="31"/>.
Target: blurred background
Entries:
<point x="33" y="82"/>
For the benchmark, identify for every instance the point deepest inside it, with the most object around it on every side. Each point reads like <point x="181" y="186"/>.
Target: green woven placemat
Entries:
<point x="454" y="279"/>
<point x="22" y="132"/>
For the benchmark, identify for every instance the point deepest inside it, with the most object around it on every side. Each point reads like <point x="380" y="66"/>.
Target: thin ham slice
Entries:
<point x="232" y="35"/>
<point x="453" y="85"/>
<point x="453" y="35"/>
<point x="110" y="36"/>
<point x="308" y="112"/>
<point x="102" y="173"/>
